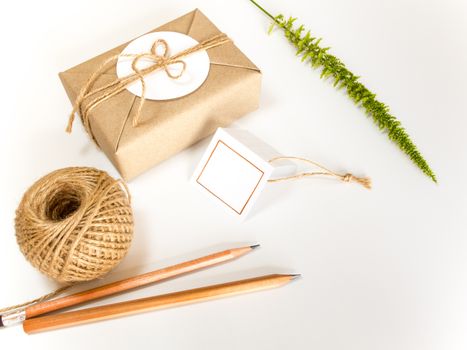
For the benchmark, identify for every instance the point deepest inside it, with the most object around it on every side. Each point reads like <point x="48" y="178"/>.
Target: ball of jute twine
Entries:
<point x="75" y="224"/>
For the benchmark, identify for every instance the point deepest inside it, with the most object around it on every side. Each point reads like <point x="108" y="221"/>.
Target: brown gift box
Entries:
<point x="167" y="127"/>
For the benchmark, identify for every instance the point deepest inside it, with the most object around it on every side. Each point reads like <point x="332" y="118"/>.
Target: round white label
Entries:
<point x="159" y="85"/>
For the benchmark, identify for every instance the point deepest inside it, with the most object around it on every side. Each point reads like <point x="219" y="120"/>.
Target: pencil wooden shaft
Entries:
<point x="99" y="313"/>
<point x="135" y="282"/>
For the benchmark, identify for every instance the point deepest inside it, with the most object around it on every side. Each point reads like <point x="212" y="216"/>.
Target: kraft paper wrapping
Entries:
<point x="167" y="127"/>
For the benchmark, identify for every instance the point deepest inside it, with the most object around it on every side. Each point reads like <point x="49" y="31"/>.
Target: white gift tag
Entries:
<point x="235" y="169"/>
<point x="159" y="86"/>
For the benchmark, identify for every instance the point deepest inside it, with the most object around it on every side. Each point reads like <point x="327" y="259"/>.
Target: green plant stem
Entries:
<point x="265" y="12"/>
<point x="309" y="49"/>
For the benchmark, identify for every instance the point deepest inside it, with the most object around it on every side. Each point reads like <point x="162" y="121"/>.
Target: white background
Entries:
<point x="382" y="269"/>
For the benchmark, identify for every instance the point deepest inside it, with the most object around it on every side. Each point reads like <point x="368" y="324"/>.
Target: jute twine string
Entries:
<point x="35" y="301"/>
<point x="364" y="181"/>
<point x="90" y="97"/>
<point x="74" y="225"/>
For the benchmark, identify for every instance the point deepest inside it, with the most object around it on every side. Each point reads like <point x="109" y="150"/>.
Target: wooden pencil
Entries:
<point x="105" y="312"/>
<point x="137" y="281"/>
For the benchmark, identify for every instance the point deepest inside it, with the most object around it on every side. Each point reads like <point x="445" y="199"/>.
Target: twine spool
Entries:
<point x="75" y="224"/>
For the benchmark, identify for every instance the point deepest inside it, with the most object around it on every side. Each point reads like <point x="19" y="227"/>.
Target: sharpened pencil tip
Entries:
<point x="294" y="276"/>
<point x="254" y="246"/>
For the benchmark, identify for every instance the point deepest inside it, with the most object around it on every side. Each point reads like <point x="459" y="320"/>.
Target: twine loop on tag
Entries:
<point x="347" y="177"/>
<point x="90" y="97"/>
<point x="364" y="181"/>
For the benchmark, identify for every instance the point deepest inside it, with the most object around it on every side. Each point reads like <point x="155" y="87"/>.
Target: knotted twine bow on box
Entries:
<point x="87" y="100"/>
<point x="163" y="128"/>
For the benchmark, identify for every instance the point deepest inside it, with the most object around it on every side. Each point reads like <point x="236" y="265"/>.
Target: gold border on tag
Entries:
<point x="207" y="189"/>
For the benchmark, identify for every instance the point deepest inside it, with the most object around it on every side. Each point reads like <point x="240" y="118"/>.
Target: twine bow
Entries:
<point x="90" y="98"/>
<point x="364" y="181"/>
<point x="162" y="60"/>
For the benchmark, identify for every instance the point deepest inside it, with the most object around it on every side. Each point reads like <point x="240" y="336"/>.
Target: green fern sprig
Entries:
<point x="310" y="51"/>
